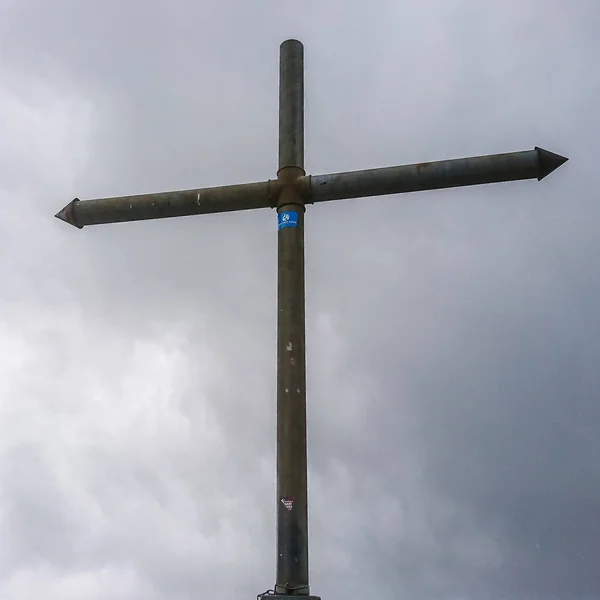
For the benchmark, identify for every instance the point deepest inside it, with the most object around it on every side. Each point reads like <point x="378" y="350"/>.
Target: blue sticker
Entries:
<point x="287" y="219"/>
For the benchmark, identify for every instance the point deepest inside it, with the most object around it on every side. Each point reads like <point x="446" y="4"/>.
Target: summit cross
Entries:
<point x="289" y="194"/>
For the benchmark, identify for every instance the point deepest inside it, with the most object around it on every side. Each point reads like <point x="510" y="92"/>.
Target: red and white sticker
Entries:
<point x="288" y="503"/>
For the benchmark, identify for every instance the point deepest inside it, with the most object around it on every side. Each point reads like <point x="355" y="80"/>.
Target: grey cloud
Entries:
<point x="451" y="335"/>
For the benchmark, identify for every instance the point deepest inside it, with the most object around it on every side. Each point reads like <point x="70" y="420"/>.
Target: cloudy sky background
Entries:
<point x="453" y="337"/>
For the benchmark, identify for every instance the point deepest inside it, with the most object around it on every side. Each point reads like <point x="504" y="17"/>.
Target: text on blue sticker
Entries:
<point x="287" y="219"/>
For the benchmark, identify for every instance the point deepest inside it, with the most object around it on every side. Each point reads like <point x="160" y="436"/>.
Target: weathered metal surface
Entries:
<point x="495" y="168"/>
<point x="225" y="198"/>
<point x="292" y="518"/>
<point x="291" y="104"/>
<point x="292" y="504"/>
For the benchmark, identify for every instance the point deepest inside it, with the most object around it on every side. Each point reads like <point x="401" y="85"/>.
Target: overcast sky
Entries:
<point x="453" y="337"/>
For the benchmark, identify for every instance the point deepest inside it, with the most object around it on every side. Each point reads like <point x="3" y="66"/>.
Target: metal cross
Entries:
<point x="289" y="194"/>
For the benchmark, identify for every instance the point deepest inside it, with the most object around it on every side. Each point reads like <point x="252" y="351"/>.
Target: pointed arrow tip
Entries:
<point x="549" y="162"/>
<point x="66" y="214"/>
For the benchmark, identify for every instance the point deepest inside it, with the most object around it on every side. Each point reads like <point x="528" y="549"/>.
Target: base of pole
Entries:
<point x="287" y="597"/>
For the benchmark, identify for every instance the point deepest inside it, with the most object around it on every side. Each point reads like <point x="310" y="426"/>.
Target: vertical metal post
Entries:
<point x="291" y="104"/>
<point x="292" y="512"/>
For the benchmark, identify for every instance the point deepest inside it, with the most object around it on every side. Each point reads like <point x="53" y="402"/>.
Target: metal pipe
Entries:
<point x="292" y="501"/>
<point x="291" y="105"/>
<point x="225" y="198"/>
<point x="530" y="164"/>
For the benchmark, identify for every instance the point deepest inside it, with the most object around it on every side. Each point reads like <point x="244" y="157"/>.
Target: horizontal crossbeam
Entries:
<point x="227" y="198"/>
<point x="494" y="168"/>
